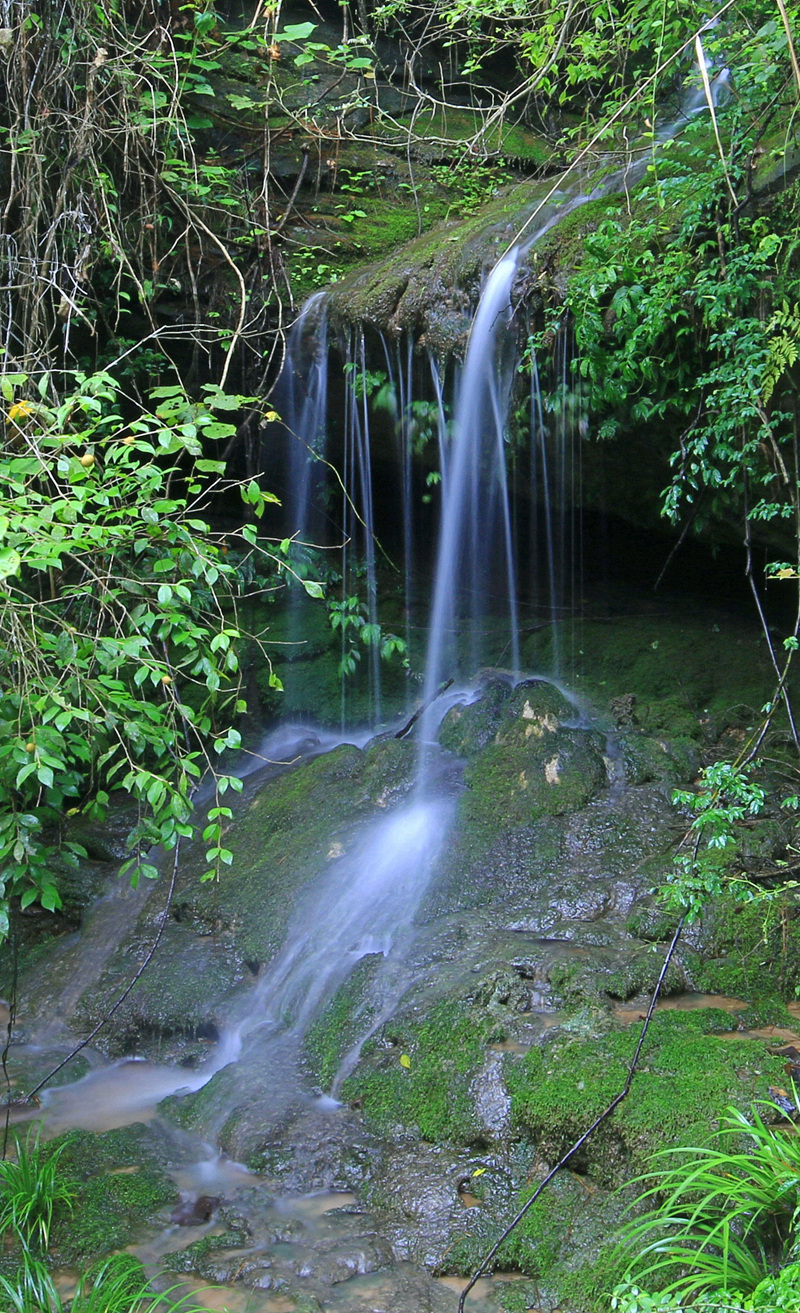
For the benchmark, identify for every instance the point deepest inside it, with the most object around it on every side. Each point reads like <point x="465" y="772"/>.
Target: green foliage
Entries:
<point x="116" y="1285"/>
<point x="350" y="617"/>
<point x="726" y="796"/>
<point x="723" y="1217"/>
<point x="473" y="182"/>
<point x="31" y="1190"/>
<point x="118" y="621"/>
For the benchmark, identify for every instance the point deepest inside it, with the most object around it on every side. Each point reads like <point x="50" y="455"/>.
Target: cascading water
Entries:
<point x="301" y="399"/>
<point x="358" y="519"/>
<point x="401" y="376"/>
<point x="475" y="492"/>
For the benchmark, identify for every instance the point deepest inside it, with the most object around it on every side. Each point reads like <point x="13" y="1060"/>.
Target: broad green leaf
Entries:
<point x="296" y="32"/>
<point x="10" y="561"/>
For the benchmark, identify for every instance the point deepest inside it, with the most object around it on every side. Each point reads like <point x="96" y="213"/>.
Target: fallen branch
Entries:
<point x="420" y="711"/>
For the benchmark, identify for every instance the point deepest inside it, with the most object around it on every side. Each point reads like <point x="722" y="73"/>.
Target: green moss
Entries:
<point x="689" y="678"/>
<point x="194" y="1256"/>
<point x="429" y="1096"/>
<point x="750" y="950"/>
<point x="765" y="1011"/>
<point x="549" y="774"/>
<point x="624" y="976"/>
<point x="564" y="241"/>
<point x="465" y="730"/>
<point x="648" y="919"/>
<point x="340" y="1024"/>
<point x="687" y="1077"/>
<point x="450" y="126"/>
<point x="117" y="1189"/>
<point x="280" y="840"/>
<point x="657" y="760"/>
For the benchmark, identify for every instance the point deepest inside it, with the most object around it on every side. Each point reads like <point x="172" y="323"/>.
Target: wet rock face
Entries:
<point x="493" y="1038"/>
<point x="505" y="713"/>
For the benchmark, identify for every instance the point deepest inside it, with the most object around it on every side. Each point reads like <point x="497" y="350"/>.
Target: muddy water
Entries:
<point x="372" y="1293"/>
<point x="320" y="1245"/>
<point x="681" y="1003"/>
<point x="688" y="1002"/>
<point x="127" y="1092"/>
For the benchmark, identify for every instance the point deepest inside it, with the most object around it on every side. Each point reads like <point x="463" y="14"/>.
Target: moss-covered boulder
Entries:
<point x="117" y="1186"/>
<point x="647" y="759"/>
<point x="469" y="727"/>
<point x="527" y="758"/>
<point x="416" y="1072"/>
<point x="521" y="778"/>
<point x="687" y="1076"/>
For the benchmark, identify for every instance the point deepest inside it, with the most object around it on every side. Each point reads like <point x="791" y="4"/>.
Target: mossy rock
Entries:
<point x="481" y="866"/>
<point x="389" y="769"/>
<point x="287" y="831"/>
<point x="467" y="728"/>
<point x="563" y="1240"/>
<point x="415" y="1073"/>
<point x="649" y="760"/>
<point x="439" y="131"/>
<point x="341" y="1023"/>
<point x="648" y="919"/>
<point x="172" y="1006"/>
<point x="200" y="1256"/>
<point x="620" y="976"/>
<point x="690" y="678"/>
<point x="750" y="950"/>
<point x="280" y="840"/>
<point x="548" y="772"/>
<point x="118" y="1188"/>
<point x="687" y="1077"/>
<point x="313" y="690"/>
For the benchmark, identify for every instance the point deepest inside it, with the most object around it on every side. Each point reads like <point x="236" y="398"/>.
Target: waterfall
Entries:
<point x="365" y="901"/>
<point x="358" y="519"/>
<point x="363" y="906"/>
<point x="301" y="399"/>
<point x="475" y="503"/>
<point x="401" y="379"/>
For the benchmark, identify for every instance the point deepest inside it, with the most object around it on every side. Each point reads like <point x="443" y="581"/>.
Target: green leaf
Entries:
<point x="10" y="562"/>
<point x="313" y="588"/>
<point x="50" y="899"/>
<point x="296" y="32"/>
